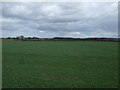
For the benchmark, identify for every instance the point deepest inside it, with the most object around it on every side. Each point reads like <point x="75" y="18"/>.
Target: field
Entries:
<point x="60" y="64"/>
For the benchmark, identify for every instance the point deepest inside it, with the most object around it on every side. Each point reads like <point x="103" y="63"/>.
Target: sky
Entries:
<point x="60" y="19"/>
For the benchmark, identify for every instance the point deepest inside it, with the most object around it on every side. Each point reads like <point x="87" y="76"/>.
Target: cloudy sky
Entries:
<point x="43" y="19"/>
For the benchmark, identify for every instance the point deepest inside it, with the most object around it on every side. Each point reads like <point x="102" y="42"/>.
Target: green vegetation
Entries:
<point x="60" y="64"/>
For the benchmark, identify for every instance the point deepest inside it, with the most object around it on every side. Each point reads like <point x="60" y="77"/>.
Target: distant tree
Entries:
<point x="17" y="38"/>
<point x="8" y="37"/>
<point x="29" y="38"/>
<point x="21" y="37"/>
<point x="35" y="38"/>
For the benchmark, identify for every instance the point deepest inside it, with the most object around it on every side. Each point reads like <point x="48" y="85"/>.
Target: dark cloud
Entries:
<point x="60" y="19"/>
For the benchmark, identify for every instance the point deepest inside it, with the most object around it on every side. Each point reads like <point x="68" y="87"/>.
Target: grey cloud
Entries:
<point x="60" y="19"/>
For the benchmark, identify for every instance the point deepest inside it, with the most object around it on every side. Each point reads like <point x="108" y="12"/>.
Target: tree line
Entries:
<point x="62" y="38"/>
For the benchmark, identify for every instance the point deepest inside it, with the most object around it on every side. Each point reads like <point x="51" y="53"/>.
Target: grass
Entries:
<point x="60" y="64"/>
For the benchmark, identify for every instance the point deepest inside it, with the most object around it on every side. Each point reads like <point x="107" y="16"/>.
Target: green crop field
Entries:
<point x="60" y="64"/>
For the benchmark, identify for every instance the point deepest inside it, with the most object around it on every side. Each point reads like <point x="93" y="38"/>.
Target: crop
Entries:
<point x="60" y="64"/>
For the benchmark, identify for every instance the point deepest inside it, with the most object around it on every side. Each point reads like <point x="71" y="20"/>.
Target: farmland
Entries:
<point x="60" y="64"/>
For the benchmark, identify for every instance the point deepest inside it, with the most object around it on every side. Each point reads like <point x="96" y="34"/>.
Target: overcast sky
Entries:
<point x="60" y="19"/>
